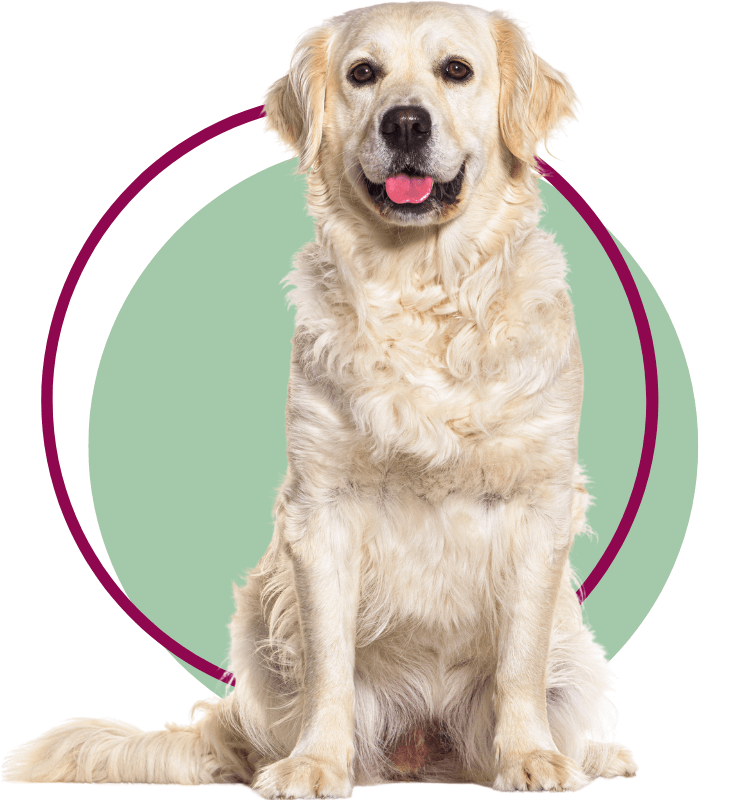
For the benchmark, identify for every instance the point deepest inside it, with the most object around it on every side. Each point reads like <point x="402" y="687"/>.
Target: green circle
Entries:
<point x="187" y="446"/>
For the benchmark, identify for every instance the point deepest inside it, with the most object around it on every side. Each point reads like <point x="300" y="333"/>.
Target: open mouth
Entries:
<point x="413" y="192"/>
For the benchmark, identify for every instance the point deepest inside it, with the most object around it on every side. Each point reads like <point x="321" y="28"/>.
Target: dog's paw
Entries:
<point x="603" y="760"/>
<point x="539" y="770"/>
<point x="302" y="777"/>
<point x="623" y="765"/>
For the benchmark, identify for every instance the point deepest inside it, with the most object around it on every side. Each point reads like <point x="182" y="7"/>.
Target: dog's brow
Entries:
<point x="358" y="57"/>
<point x="371" y="51"/>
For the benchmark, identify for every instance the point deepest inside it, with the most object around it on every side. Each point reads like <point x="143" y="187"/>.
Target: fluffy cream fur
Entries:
<point x="417" y="586"/>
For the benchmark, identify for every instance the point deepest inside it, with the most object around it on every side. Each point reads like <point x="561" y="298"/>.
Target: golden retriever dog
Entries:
<point x="414" y="616"/>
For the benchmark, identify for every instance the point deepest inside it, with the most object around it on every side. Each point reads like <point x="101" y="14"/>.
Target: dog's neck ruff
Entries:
<point x="458" y="267"/>
<point x="431" y="336"/>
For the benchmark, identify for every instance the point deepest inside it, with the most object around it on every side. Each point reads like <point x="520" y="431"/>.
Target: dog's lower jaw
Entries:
<point x="442" y="203"/>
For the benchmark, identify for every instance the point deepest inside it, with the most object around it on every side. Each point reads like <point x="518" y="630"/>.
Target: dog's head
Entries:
<point x="414" y="111"/>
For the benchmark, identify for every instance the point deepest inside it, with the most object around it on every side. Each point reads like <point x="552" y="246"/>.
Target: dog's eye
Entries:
<point x="457" y="71"/>
<point x="362" y="73"/>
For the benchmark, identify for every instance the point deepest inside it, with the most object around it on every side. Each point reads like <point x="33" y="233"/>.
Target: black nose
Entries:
<point x="406" y="127"/>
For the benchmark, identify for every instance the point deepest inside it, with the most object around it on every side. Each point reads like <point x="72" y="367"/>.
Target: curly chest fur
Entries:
<point x="410" y="392"/>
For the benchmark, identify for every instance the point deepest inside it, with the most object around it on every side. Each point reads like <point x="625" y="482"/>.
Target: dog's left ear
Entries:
<point x="294" y="105"/>
<point x="534" y="97"/>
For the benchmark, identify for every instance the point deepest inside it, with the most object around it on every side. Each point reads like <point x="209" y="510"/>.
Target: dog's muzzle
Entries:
<point x="410" y="191"/>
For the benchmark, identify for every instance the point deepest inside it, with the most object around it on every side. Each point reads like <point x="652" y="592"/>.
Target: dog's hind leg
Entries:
<point x="104" y="751"/>
<point x="602" y="760"/>
<point x="577" y="706"/>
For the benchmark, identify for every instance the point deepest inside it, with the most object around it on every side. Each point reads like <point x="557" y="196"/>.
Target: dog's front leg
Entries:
<point x="526" y="757"/>
<point x="322" y="542"/>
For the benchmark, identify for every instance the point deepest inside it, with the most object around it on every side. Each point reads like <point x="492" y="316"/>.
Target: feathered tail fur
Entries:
<point x="107" y="751"/>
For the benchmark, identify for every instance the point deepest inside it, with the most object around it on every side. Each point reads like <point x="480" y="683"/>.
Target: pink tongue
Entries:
<point x="404" y="189"/>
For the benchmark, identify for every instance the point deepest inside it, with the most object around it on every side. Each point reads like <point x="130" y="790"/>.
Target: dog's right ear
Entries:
<point x="294" y="105"/>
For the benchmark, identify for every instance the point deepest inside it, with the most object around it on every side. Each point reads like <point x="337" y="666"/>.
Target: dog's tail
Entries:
<point x="103" y="751"/>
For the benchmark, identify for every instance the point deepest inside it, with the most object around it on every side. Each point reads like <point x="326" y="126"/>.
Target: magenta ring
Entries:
<point x="649" y="365"/>
<point x="131" y="191"/>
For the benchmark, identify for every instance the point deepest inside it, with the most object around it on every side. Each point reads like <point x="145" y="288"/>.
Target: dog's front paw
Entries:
<point x="303" y="776"/>
<point x="539" y="770"/>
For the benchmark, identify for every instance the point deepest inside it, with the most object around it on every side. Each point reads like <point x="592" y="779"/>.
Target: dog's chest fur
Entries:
<point x="440" y="418"/>
<point x="433" y="559"/>
<point x="437" y="377"/>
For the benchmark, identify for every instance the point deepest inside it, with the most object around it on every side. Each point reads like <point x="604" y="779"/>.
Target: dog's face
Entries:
<point x="411" y="101"/>
<point x="413" y="112"/>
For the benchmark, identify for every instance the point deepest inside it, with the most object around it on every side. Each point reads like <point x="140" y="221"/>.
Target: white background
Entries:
<point x="94" y="92"/>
